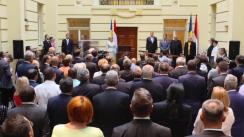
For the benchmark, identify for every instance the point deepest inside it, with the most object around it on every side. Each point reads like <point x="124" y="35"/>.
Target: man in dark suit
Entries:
<point x="32" y="75"/>
<point x="175" y="47"/>
<point x="223" y="67"/>
<point x="156" y="90"/>
<point x="163" y="77"/>
<point x="100" y="79"/>
<point x="67" y="45"/>
<point x="212" y="117"/>
<point x="180" y="68"/>
<point x="31" y="111"/>
<point x="59" y="73"/>
<point x="195" y="88"/>
<point x="237" y="105"/>
<point x="111" y="107"/>
<point x="190" y="49"/>
<point x="26" y="64"/>
<point x="86" y="88"/>
<point x="210" y="48"/>
<point x="46" y="44"/>
<point x="57" y="105"/>
<point x="126" y="73"/>
<point x="239" y="70"/>
<point x="152" y="43"/>
<point x="6" y="85"/>
<point x="141" y="126"/>
<point x="91" y="66"/>
<point x="46" y="60"/>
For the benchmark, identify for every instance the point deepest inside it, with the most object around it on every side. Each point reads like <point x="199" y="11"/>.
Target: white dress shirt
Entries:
<point x="45" y="91"/>
<point x="241" y="90"/>
<point x="214" y="53"/>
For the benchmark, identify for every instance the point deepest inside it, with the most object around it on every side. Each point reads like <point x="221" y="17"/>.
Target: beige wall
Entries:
<point x="229" y="25"/>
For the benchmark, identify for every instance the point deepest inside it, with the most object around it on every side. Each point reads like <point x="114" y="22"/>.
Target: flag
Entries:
<point x="174" y="34"/>
<point x="115" y="39"/>
<point x="190" y="27"/>
<point x="196" y="33"/>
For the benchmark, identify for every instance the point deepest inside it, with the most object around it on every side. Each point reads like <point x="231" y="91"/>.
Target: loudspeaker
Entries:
<point x="234" y="49"/>
<point x="18" y="48"/>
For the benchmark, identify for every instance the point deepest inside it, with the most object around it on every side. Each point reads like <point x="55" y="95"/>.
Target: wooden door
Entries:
<point x="127" y="41"/>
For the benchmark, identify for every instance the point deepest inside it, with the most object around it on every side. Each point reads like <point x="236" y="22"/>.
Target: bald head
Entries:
<point x="147" y="72"/>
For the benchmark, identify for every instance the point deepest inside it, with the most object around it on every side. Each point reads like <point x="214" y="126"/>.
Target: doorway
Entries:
<point x="127" y="41"/>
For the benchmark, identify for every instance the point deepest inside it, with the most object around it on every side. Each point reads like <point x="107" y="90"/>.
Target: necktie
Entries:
<point x="189" y="48"/>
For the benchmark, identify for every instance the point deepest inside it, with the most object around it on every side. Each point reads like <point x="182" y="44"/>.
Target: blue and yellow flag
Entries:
<point x="190" y="27"/>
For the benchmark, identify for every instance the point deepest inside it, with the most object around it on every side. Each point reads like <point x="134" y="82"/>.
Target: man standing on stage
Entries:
<point x="152" y="43"/>
<point x="67" y="45"/>
<point x="164" y="44"/>
<point x="190" y="49"/>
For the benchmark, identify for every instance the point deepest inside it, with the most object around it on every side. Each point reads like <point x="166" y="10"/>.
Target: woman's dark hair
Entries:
<point x="175" y="93"/>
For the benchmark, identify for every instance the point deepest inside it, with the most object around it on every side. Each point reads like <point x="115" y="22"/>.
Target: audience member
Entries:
<point x="21" y="83"/>
<point x="90" y="65"/>
<point x="80" y="113"/>
<point x="126" y="73"/>
<point x="55" y="64"/>
<point x="23" y="68"/>
<point x="221" y="94"/>
<point x="31" y="111"/>
<point x="172" y="112"/>
<point x="180" y="68"/>
<point x="66" y="66"/>
<point x="100" y="63"/>
<point x="238" y="71"/>
<point x="32" y="75"/>
<point x="72" y="73"/>
<point x="46" y="61"/>
<point x="111" y="114"/>
<point x="57" y="105"/>
<point x="100" y="79"/>
<point x="236" y="103"/>
<point x="47" y="89"/>
<point x="141" y="125"/>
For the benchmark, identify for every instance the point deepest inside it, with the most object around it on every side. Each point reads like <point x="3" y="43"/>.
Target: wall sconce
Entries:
<point x="27" y="24"/>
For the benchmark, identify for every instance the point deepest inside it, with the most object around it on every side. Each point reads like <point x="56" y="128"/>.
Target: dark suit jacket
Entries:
<point x="238" y="71"/>
<point x="210" y="133"/>
<point x="151" y="47"/>
<point x="127" y="75"/>
<point x="67" y="48"/>
<point x="92" y="67"/>
<point x="217" y="81"/>
<point x="111" y="109"/>
<point x="57" y="109"/>
<point x="86" y="89"/>
<point x="192" y="53"/>
<point x="33" y="83"/>
<point x="195" y="90"/>
<point x="177" y="125"/>
<point x="24" y="67"/>
<point x="99" y="80"/>
<point x="157" y="91"/>
<point x="46" y="46"/>
<point x="35" y="114"/>
<point x="5" y="74"/>
<point x="121" y="86"/>
<point x="237" y="105"/>
<point x="209" y="51"/>
<point x="77" y="60"/>
<point x="59" y="74"/>
<point x="141" y="128"/>
<point x="164" y="80"/>
<point x="175" y="47"/>
<point x="177" y="72"/>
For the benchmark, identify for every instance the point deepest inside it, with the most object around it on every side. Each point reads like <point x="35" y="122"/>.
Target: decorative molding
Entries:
<point x="126" y="13"/>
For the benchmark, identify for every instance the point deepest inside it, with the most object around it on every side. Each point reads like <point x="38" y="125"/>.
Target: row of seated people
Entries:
<point x="196" y="90"/>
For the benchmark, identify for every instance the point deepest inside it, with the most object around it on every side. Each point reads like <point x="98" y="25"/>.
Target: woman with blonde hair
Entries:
<point x="21" y="83"/>
<point x="221" y="94"/>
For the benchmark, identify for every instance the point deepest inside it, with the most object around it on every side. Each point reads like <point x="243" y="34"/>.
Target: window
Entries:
<point x="126" y="2"/>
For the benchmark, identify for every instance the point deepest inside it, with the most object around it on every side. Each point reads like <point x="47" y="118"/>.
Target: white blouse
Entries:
<point x="226" y="125"/>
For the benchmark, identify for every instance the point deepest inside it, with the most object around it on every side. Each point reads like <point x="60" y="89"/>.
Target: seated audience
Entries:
<point x="85" y="88"/>
<point x="221" y="94"/>
<point x="21" y="83"/>
<point x="236" y="103"/>
<point x="111" y="114"/>
<point x="17" y="126"/>
<point x="156" y="90"/>
<point x="47" y="89"/>
<point x="212" y="117"/>
<point x="172" y="112"/>
<point x="141" y="125"/>
<point x="57" y="105"/>
<point x="31" y="111"/>
<point x="180" y="68"/>
<point x="80" y="113"/>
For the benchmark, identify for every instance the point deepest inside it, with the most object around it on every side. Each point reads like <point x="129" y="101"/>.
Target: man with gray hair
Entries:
<point x="24" y="67"/>
<point x="111" y="107"/>
<point x="157" y="91"/>
<point x="236" y="103"/>
<point x="141" y="107"/>
<point x="180" y="68"/>
<point x="85" y="88"/>
<point x="212" y="116"/>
